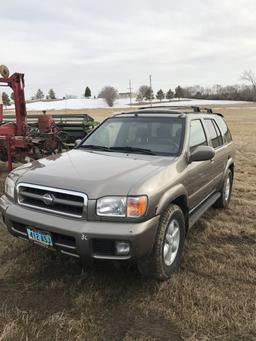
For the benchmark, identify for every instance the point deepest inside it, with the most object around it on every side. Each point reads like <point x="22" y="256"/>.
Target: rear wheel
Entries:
<point x="226" y="190"/>
<point x="167" y="250"/>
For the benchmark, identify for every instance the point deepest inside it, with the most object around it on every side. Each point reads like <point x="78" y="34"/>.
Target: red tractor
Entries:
<point x="17" y="142"/>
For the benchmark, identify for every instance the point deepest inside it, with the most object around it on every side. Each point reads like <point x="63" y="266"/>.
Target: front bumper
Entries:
<point x="76" y="237"/>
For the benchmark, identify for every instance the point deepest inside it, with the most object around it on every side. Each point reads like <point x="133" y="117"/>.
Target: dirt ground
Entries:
<point x="44" y="296"/>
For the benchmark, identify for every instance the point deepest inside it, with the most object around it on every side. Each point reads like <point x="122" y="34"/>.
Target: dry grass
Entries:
<point x="212" y="297"/>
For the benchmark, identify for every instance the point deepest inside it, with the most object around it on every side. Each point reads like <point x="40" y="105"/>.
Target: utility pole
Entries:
<point x="150" y="84"/>
<point x="130" y="91"/>
<point x="65" y="98"/>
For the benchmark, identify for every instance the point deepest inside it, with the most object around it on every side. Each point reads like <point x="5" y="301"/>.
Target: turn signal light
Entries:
<point x="136" y="206"/>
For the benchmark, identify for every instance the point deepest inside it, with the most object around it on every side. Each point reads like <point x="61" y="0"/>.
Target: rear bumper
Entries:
<point x="76" y="237"/>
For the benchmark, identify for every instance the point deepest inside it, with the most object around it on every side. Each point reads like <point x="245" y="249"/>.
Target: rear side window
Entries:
<point x="214" y="133"/>
<point x="197" y="135"/>
<point x="224" y="129"/>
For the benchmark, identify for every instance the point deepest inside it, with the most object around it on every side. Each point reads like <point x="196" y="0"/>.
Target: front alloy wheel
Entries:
<point x="167" y="250"/>
<point x="172" y="242"/>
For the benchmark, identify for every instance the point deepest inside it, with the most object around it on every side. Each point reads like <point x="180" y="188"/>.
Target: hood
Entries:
<point x="95" y="173"/>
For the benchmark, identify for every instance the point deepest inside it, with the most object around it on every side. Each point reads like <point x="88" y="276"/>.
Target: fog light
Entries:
<point x="122" y="248"/>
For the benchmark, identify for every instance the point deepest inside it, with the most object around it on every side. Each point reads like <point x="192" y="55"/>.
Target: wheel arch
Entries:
<point x="230" y="165"/>
<point x="178" y="196"/>
<point x="232" y="168"/>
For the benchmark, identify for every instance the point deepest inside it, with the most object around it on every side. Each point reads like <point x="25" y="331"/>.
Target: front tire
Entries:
<point x="167" y="250"/>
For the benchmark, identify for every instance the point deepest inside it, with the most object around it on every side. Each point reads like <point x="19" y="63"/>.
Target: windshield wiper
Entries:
<point x="121" y="149"/>
<point x="95" y="146"/>
<point x="133" y="150"/>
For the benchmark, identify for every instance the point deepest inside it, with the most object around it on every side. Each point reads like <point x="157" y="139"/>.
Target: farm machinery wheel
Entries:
<point x="4" y="71"/>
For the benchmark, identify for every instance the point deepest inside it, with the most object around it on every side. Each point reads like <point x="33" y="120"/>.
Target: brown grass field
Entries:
<point x="44" y="296"/>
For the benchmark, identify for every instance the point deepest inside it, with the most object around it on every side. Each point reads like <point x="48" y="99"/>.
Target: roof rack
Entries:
<point x="167" y="109"/>
<point x="194" y="108"/>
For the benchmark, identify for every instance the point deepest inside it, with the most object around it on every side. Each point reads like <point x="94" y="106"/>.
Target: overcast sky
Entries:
<point x="70" y="44"/>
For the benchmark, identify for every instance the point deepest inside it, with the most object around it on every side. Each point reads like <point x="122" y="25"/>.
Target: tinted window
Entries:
<point x="224" y="129"/>
<point x="220" y="138"/>
<point x="197" y="135"/>
<point x="159" y="134"/>
<point x="214" y="133"/>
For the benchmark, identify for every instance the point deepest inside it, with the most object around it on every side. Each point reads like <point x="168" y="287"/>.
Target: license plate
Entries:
<point x="39" y="237"/>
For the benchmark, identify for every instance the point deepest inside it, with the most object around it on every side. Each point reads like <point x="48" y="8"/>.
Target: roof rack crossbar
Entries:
<point x="196" y="109"/>
<point x="208" y="110"/>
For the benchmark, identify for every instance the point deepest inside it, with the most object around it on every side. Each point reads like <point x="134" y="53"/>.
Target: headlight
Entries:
<point x="9" y="187"/>
<point x="131" y="207"/>
<point x="112" y="206"/>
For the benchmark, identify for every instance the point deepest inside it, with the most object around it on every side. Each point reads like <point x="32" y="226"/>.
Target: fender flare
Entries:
<point x="229" y="163"/>
<point x="169" y="196"/>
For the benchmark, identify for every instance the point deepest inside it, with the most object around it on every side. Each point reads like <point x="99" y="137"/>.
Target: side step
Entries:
<point x="197" y="214"/>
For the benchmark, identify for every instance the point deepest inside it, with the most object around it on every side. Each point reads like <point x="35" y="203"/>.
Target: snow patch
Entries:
<point x="99" y="103"/>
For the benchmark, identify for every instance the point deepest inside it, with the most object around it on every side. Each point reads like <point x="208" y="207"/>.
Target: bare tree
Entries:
<point x="69" y="96"/>
<point x="145" y="92"/>
<point x="110" y="94"/>
<point x="250" y="77"/>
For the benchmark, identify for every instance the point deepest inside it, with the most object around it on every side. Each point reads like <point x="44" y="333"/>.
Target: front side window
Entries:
<point x="158" y="135"/>
<point x="214" y="133"/>
<point x="197" y="135"/>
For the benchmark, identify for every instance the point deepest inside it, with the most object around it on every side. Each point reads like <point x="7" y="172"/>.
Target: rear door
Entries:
<point x="221" y="157"/>
<point x="200" y="173"/>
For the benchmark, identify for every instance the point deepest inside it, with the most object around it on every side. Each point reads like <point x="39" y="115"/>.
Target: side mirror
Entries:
<point x="202" y="153"/>
<point x="77" y="142"/>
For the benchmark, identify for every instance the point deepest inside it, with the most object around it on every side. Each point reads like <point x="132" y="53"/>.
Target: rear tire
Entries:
<point x="167" y="250"/>
<point x="226" y="191"/>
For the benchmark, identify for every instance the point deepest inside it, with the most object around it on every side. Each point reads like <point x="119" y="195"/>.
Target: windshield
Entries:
<point x="146" y="135"/>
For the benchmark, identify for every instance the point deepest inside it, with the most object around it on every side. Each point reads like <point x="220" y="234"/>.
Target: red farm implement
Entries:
<point x="23" y="137"/>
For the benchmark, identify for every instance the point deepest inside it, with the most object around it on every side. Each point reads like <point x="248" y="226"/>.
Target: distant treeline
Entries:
<point x="218" y="92"/>
<point x="240" y="92"/>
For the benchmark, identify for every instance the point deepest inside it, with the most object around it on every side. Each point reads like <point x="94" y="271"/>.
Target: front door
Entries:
<point x="200" y="173"/>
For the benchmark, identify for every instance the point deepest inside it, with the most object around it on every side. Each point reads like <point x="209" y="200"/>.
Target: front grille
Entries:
<point x="54" y="200"/>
